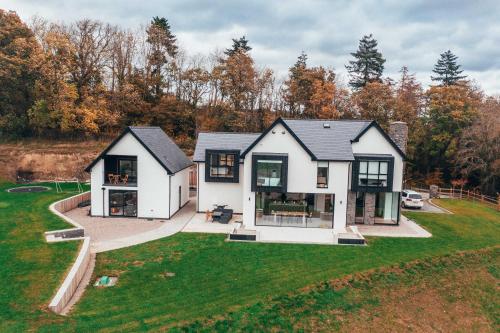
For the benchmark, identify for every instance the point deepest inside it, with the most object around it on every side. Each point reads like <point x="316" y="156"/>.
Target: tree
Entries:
<point x="368" y="65"/>
<point x="19" y="56"/>
<point x="375" y="101"/>
<point x="447" y="70"/>
<point x="409" y="101"/>
<point x="450" y="110"/>
<point x="163" y="48"/>
<point x="478" y="155"/>
<point x="239" y="45"/>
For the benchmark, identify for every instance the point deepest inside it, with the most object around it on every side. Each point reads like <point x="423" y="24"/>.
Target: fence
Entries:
<point x="192" y="178"/>
<point x="458" y="193"/>
<point x="71" y="203"/>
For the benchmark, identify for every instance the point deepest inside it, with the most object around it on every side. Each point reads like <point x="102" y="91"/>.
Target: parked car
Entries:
<point x="411" y="199"/>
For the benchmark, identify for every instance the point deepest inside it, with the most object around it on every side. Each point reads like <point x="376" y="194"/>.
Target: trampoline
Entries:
<point x="28" y="189"/>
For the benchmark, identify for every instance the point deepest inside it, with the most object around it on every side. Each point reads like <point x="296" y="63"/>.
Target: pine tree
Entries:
<point x="368" y="64"/>
<point x="239" y="45"/>
<point x="447" y="70"/>
<point x="162" y="44"/>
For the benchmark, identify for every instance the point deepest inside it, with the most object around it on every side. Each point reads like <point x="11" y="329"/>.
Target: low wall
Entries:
<point x="72" y="280"/>
<point x="77" y="271"/>
<point x="71" y="203"/>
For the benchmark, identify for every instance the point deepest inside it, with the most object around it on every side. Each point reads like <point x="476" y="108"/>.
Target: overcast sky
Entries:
<point x="411" y="33"/>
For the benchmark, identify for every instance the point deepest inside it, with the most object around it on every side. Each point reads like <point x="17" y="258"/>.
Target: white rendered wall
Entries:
<point x="96" y="181"/>
<point x="210" y="193"/>
<point x="373" y="142"/>
<point x="302" y="175"/>
<point x="181" y="179"/>
<point x="152" y="181"/>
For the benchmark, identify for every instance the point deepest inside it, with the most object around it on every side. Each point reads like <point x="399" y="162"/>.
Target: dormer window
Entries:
<point x="222" y="166"/>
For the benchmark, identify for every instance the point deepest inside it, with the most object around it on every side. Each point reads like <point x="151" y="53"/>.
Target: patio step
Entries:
<point x="243" y="235"/>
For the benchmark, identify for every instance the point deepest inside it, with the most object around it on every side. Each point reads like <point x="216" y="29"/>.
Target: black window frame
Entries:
<point x="355" y="186"/>
<point x="318" y="185"/>
<point x="221" y="179"/>
<point x="284" y="172"/>
<point x="110" y="158"/>
<point x="123" y="192"/>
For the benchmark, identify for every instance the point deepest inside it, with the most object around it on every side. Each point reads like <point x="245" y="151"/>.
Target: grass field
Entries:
<point x="30" y="269"/>
<point x="453" y="293"/>
<point x="212" y="277"/>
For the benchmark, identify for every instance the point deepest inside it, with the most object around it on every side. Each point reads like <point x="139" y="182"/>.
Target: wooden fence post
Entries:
<point x="498" y="202"/>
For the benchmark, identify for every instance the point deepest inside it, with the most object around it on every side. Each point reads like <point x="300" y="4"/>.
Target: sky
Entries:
<point x="409" y="33"/>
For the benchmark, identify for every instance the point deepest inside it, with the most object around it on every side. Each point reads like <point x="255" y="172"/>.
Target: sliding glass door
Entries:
<point x="122" y="203"/>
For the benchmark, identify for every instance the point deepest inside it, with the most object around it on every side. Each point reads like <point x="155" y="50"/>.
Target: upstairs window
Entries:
<point x="269" y="172"/>
<point x="222" y="166"/>
<point x="322" y="175"/>
<point x="372" y="173"/>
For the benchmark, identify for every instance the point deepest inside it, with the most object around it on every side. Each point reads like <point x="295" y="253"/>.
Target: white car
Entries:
<point x="411" y="199"/>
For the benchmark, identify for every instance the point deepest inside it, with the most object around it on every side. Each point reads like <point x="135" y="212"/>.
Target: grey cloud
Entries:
<point x="411" y="33"/>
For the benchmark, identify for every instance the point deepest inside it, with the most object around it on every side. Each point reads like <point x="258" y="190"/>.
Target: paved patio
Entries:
<point x="199" y="224"/>
<point x="406" y="228"/>
<point x="112" y="233"/>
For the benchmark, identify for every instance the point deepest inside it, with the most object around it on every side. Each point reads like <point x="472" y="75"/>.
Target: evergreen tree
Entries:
<point x="368" y="64"/>
<point x="239" y="45"/>
<point x="447" y="70"/>
<point x="162" y="44"/>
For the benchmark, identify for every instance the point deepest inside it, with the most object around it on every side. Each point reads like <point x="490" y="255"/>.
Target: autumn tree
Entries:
<point x="368" y="63"/>
<point x="375" y="101"/>
<point x="19" y="55"/>
<point x="450" y="110"/>
<point x="447" y="69"/>
<point x="478" y="157"/>
<point x="310" y="92"/>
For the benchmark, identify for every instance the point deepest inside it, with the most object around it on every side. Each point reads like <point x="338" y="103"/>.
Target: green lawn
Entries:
<point x="214" y="277"/>
<point x="30" y="269"/>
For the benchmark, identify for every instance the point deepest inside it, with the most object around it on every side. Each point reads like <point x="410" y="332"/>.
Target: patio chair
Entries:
<point x="124" y="179"/>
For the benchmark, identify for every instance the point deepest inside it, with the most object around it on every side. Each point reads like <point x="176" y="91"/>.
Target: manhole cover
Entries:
<point x="27" y="189"/>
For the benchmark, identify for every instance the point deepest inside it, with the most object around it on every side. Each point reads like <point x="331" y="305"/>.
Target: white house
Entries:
<point x="304" y="179"/>
<point x="142" y="173"/>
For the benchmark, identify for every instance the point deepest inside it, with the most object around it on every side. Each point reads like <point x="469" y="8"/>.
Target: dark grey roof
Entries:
<point x="334" y="143"/>
<point x="229" y="141"/>
<point x="158" y="144"/>
<point x="162" y="147"/>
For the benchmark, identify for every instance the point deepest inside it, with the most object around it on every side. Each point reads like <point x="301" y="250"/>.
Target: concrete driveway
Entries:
<point x="427" y="208"/>
<point x="112" y="233"/>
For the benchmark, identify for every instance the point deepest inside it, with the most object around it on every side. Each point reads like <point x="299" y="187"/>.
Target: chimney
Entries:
<point x="398" y="131"/>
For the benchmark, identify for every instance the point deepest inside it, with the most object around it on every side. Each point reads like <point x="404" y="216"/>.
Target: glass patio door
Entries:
<point x="122" y="203"/>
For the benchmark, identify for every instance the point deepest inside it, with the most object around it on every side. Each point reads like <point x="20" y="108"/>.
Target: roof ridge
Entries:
<point x="145" y="127"/>
<point x="336" y="120"/>
<point x="207" y="132"/>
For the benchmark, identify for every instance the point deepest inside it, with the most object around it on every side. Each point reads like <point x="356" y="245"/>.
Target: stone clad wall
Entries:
<point x="369" y="217"/>
<point x="351" y="207"/>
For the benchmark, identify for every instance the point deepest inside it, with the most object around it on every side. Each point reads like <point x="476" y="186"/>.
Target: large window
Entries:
<point x="120" y="170"/>
<point x="122" y="203"/>
<point x="303" y="210"/>
<point x="269" y="172"/>
<point x="372" y="173"/>
<point x="222" y="166"/>
<point x="322" y="176"/>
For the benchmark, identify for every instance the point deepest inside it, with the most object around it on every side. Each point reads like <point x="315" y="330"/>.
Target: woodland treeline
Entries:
<point x="90" y="79"/>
